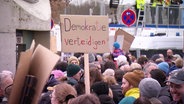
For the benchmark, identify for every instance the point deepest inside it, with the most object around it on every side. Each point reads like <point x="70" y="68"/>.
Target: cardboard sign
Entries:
<point x="84" y="33"/>
<point x="39" y="63"/>
<point x="126" y="39"/>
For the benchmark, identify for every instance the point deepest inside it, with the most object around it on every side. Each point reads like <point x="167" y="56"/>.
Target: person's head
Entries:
<point x="142" y="100"/>
<point x="58" y="74"/>
<point x="169" y="52"/>
<point x="61" y="65"/>
<point x="74" y="71"/>
<point x="135" y="66"/>
<point x="142" y="61"/>
<point x="164" y="66"/>
<point x="176" y="85"/>
<point x="155" y="100"/>
<point x="131" y="80"/>
<point x="116" y="45"/>
<point x="179" y="62"/>
<point x="85" y="99"/>
<point x="121" y="60"/>
<point x="95" y="75"/>
<point x="159" y="75"/>
<point x="95" y="65"/>
<point x="99" y="58"/>
<point x="155" y="57"/>
<point x="106" y="57"/>
<point x="148" y="67"/>
<point x="126" y="68"/>
<point x="176" y="56"/>
<point x="109" y="64"/>
<point x="100" y="88"/>
<point x="119" y="75"/>
<point x="110" y="80"/>
<point x="109" y="72"/>
<point x="62" y="93"/>
<point x="91" y="57"/>
<point x="149" y="87"/>
<point x="5" y="84"/>
<point x="73" y="60"/>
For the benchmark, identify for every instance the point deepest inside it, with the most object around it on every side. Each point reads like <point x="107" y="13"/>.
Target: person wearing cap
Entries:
<point x="176" y="86"/>
<point x="129" y="86"/>
<point x="74" y="74"/>
<point x="150" y="88"/>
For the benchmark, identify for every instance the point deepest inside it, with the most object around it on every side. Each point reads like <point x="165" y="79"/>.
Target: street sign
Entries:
<point x="128" y="17"/>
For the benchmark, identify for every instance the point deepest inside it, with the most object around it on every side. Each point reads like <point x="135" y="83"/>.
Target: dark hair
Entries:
<point x="159" y="75"/>
<point x="109" y="64"/>
<point x="142" y="100"/>
<point x="142" y="60"/>
<point x="119" y="75"/>
<point x="95" y="75"/>
<point x="61" y="65"/>
<point x="100" y="88"/>
<point x="85" y="99"/>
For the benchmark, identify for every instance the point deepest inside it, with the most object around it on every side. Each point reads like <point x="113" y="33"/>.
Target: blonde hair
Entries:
<point x="110" y="80"/>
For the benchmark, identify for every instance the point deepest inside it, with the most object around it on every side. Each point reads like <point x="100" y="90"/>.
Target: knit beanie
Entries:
<point x="149" y="87"/>
<point x="72" y="69"/>
<point x="134" y="77"/>
<point x="116" y="45"/>
<point x="121" y="60"/>
<point x="73" y="58"/>
<point x="164" y="66"/>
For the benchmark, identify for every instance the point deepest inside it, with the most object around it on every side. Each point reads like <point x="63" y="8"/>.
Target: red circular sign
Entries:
<point x="128" y="17"/>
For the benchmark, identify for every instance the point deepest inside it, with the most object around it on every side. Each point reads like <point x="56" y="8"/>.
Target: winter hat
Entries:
<point x="108" y="72"/>
<point x="100" y="88"/>
<point x="73" y="58"/>
<point x="116" y="45"/>
<point x="57" y="73"/>
<point x="164" y="66"/>
<point x="177" y="77"/>
<point x="134" y="77"/>
<point x="121" y="59"/>
<point x="72" y="69"/>
<point x="149" y="87"/>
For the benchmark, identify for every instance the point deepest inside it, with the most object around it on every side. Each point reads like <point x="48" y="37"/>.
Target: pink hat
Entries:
<point x="57" y="73"/>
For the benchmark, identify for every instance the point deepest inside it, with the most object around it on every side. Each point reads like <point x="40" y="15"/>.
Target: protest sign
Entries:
<point x="84" y="33"/>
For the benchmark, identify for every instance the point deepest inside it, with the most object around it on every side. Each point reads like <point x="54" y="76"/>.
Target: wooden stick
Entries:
<point x="86" y="73"/>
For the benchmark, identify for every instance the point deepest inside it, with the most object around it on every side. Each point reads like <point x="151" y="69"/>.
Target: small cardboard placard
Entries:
<point x="125" y="39"/>
<point x="84" y="33"/>
<point x="39" y="63"/>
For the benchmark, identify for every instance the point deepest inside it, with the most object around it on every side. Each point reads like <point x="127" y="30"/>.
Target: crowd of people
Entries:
<point x="115" y="78"/>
